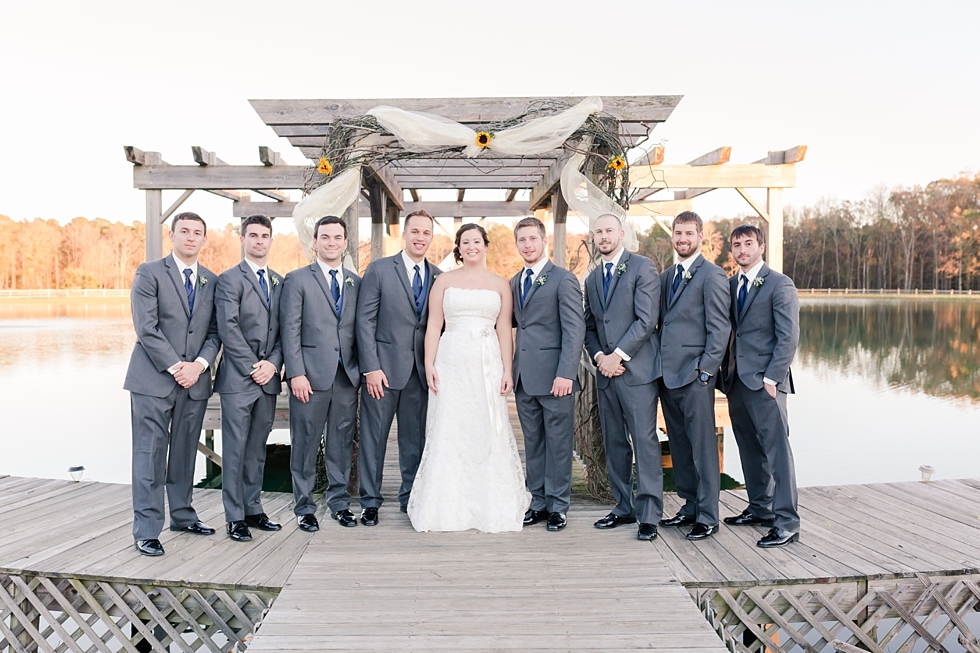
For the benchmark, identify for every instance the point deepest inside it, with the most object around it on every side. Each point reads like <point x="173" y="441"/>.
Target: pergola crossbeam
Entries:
<point x="446" y="209"/>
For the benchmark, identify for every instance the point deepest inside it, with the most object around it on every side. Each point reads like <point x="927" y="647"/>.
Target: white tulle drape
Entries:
<point x="588" y="200"/>
<point x="423" y="132"/>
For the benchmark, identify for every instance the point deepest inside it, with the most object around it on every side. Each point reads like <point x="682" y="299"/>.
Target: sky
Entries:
<point x="882" y="93"/>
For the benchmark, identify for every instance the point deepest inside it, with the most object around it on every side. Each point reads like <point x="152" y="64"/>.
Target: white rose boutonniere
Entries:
<point x="620" y="269"/>
<point x="758" y="281"/>
<point x="541" y="280"/>
<point x="348" y="282"/>
<point x="201" y="281"/>
<point x="275" y="280"/>
<point x="687" y="275"/>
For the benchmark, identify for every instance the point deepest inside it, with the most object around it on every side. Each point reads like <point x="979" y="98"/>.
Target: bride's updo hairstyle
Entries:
<point x="459" y="234"/>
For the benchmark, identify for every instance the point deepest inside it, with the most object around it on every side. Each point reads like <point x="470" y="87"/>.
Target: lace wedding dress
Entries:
<point x="471" y="476"/>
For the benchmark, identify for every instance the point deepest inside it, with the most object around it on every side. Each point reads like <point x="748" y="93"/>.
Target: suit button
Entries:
<point x="523" y="327"/>
<point x="336" y="348"/>
<point x="190" y="332"/>
<point x="606" y="321"/>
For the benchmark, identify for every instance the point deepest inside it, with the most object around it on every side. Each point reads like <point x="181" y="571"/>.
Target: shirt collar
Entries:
<point x="614" y="260"/>
<point x="753" y="272"/>
<point x="410" y="264"/>
<point x="181" y="267"/>
<point x="326" y="270"/>
<point x="686" y="265"/>
<point x="536" y="268"/>
<point x="256" y="267"/>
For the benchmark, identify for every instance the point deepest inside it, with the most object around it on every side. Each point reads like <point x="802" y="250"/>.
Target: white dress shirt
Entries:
<point x="180" y="270"/>
<point x="255" y="270"/>
<point x="340" y="276"/>
<point x="615" y="264"/>
<point x="535" y="273"/>
<point x="747" y="277"/>
<point x="410" y="270"/>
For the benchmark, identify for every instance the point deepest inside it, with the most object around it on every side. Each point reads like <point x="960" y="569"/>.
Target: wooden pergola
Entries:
<point x="305" y="124"/>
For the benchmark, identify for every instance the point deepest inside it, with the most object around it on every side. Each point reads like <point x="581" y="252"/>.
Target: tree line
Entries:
<point x="919" y="237"/>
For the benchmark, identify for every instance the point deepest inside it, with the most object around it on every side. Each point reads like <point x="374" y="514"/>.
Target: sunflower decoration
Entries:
<point x="483" y="139"/>
<point x="616" y="163"/>
<point x="325" y="167"/>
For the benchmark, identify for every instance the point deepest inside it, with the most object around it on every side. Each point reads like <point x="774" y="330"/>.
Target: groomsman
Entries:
<point x="392" y="313"/>
<point x="169" y="383"/>
<point x="621" y="308"/>
<point x="248" y="378"/>
<point x="550" y="333"/>
<point x="765" y="317"/>
<point x="693" y="336"/>
<point x="316" y="321"/>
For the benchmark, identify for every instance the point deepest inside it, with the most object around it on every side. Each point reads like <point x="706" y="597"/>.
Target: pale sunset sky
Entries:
<point x="882" y="93"/>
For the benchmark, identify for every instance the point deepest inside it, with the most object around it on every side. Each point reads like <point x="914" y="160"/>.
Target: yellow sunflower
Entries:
<point x="616" y="163"/>
<point x="483" y="138"/>
<point x="325" y="167"/>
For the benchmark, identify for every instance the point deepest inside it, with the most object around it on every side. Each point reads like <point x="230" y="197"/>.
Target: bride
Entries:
<point x="470" y="476"/>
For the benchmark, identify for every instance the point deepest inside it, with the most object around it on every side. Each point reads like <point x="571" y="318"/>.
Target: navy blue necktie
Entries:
<point x="742" y="292"/>
<point x="417" y="291"/>
<point x="678" y="275"/>
<point x="265" y="288"/>
<point x="606" y="280"/>
<point x="189" y="289"/>
<point x="335" y="290"/>
<point x="527" y="286"/>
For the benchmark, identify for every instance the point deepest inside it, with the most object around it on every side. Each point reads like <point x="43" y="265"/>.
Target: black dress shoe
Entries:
<point x="646" y="532"/>
<point x="369" y="516"/>
<point x="403" y="508"/>
<point x="534" y="516"/>
<point x="556" y="521"/>
<point x="149" y="547"/>
<point x="308" y="523"/>
<point x="262" y="522"/>
<point x="344" y="517"/>
<point x="198" y="528"/>
<point x="777" y="537"/>
<point x="702" y="532"/>
<point x="677" y="520"/>
<point x="746" y="519"/>
<point x="238" y="531"/>
<point x="612" y="521"/>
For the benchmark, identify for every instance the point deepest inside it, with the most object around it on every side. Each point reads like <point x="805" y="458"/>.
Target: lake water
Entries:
<point x="884" y="386"/>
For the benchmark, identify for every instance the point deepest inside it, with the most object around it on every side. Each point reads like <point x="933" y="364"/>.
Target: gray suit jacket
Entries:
<point x="313" y="336"/>
<point x="248" y="328"/>
<point x="627" y="319"/>
<point x="390" y="333"/>
<point x="694" y="327"/>
<point x="550" y="330"/>
<point x="166" y="330"/>
<point x="766" y="333"/>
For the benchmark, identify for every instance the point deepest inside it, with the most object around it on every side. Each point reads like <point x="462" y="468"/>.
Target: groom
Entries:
<point x="550" y="333"/>
<point x="392" y="312"/>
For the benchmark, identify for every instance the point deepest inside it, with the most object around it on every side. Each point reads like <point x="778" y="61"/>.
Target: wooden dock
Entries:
<point x="867" y="552"/>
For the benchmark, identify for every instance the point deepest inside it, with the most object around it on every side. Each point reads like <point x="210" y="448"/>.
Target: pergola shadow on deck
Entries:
<point x="306" y="124"/>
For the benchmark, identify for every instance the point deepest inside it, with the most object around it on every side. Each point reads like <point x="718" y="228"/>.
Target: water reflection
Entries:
<point x="920" y="345"/>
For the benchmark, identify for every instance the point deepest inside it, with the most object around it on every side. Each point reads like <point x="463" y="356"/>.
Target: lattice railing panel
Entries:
<point x="38" y="613"/>
<point x="914" y="616"/>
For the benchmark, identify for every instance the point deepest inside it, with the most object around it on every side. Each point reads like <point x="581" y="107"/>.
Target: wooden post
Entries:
<point x="154" y="235"/>
<point x="352" y="219"/>
<point x="774" y="207"/>
<point x="559" y="209"/>
<point x="378" y="204"/>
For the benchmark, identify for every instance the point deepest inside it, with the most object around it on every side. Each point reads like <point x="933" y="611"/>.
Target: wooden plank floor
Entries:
<point x="849" y="532"/>
<point x="389" y="588"/>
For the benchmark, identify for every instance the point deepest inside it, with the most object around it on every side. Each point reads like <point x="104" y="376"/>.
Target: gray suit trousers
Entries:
<point x="628" y="416"/>
<point x="689" y="413"/>
<point x="410" y="404"/>
<point x="761" y="428"/>
<point x="331" y="415"/>
<point x="166" y="431"/>
<point x="246" y="419"/>
<point x="548" y="424"/>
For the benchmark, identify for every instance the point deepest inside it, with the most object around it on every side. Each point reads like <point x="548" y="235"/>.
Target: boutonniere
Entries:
<point x="687" y="275"/>
<point x="275" y="280"/>
<point x="758" y="281"/>
<point x="620" y="269"/>
<point x="541" y="280"/>
<point x="434" y="277"/>
<point x="348" y="282"/>
<point x="201" y="280"/>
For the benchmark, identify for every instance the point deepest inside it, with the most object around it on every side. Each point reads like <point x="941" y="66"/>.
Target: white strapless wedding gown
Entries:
<point x="470" y="476"/>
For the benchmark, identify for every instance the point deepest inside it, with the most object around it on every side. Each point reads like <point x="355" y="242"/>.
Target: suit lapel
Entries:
<point x="753" y="290"/>
<point x="427" y="285"/>
<point x="178" y="281"/>
<point x="244" y="267"/>
<point x="733" y="291"/>
<point x="274" y="282"/>
<point x="694" y="269"/>
<point x="595" y="278"/>
<point x="201" y="288"/>
<point x="534" y="286"/>
<point x="345" y="292"/>
<point x="623" y="260"/>
<point x="515" y="291"/>
<point x="402" y="277"/>
<point x="325" y="287"/>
